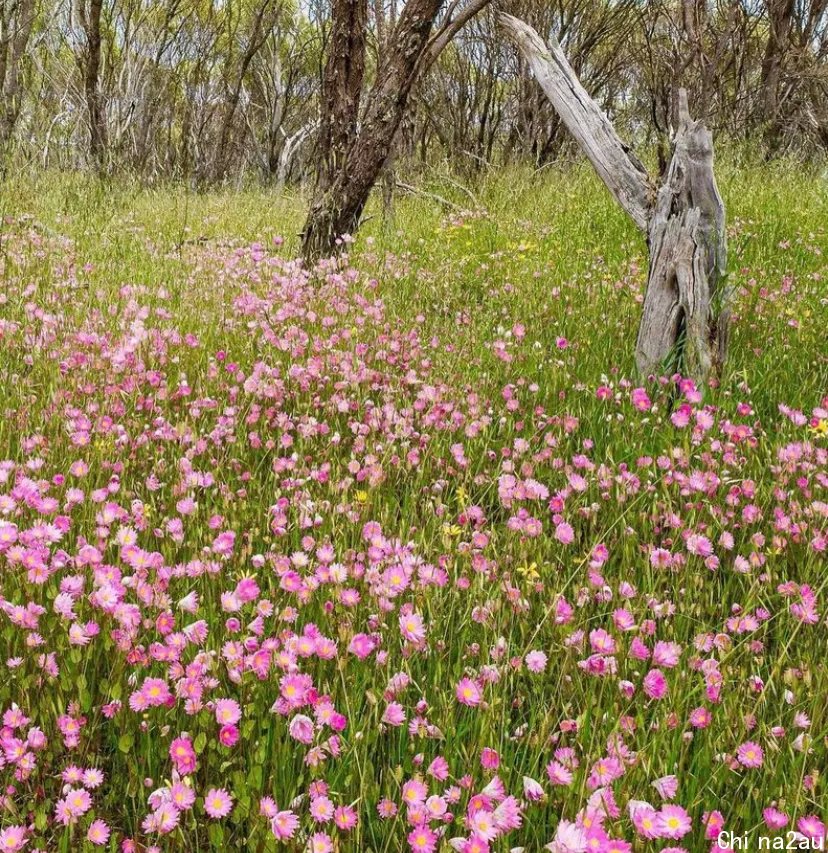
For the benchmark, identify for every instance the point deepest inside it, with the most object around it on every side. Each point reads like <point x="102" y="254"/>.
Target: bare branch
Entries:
<point x="620" y="170"/>
<point x="448" y="30"/>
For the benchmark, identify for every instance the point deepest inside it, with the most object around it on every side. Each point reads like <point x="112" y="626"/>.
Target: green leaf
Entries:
<point x="216" y="835"/>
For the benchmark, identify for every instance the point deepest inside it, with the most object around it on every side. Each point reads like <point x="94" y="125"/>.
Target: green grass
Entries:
<point x="540" y="230"/>
<point x="547" y="250"/>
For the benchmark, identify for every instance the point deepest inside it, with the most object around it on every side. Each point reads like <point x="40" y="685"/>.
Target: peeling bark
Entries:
<point x="686" y="314"/>
<point x="341" y="87"/>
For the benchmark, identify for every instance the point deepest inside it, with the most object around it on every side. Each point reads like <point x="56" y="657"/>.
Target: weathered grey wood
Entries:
<point x="687" y="303"/>
<point x="624" y="175"/>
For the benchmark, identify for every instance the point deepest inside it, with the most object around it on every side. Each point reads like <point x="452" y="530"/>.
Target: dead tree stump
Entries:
<point x="684" y="323"/>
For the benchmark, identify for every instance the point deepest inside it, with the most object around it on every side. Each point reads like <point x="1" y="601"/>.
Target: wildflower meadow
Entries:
<point x="399" y="552"/>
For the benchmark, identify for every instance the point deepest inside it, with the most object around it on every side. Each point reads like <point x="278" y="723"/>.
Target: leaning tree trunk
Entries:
<point x="358" y="158"/>
<point x="684" y="324"/>
<point x="342" y="192"/>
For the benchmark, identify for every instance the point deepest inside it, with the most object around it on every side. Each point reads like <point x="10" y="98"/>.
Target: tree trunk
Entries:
<point x="687" y="302"/>
<point x="16" y="20"/>
<point x="352" y="161"/>
<point x="342" y="193"/>
<point x="341" y="88"/>
<point x="684" y="325"/>
<point x="90" y="65"/>
<point x="262" y="24"/>
<point x="780" y="18"/>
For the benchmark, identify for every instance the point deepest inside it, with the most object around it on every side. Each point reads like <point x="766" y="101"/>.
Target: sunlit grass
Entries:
<point x="528" y="292"/>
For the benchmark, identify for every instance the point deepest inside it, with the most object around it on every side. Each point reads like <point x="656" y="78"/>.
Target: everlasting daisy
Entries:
<point x="12" y="839"/>
<point x="387" y="808"/>
<point x="615" y="845"/>
<point x="536" y="661"/>
<point x="812" y="827"/>
<point x="345" y="818"/>
<point x="750" y="755"/>
<point x="673" y="822"/>
<point x="412" y="627"/>
<point x="564" y="533"/>
<point x="468" y="693"/>
<point x="489" y="758"/>
<point x="775" y="819"/>
<point x="321" y="809"/>
<point x="422" y="840"/>
<point x="532" y="790"/>
<point x="482" y="823"/>
<point x="78" y="801"/>
<point x="98" y="833"/>
<point x="569" y="838"/>
<point x="645" y="821"/>
<point x="394" y="714"/>
<point x="182" y="796"/>
<point x="414" y="792"/>
<point x="655" y="684"/>
<point x="558" y="774"/>
<point x="183" y="755"/>
<point x="475" y="844"/>
<point x="228" y="712"/>
<point x="92" y="778"/>
<point x="320" y="842"/>
<point x="284" y="825"/>
<point x="166" y="818"/>
<point x="218" y="803"/>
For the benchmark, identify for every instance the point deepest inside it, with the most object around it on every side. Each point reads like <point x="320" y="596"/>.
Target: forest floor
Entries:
<point x="403" y="554"/>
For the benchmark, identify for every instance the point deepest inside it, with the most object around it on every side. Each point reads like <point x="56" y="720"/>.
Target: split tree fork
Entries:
<point x="686" y="311"/>
<point x="355" y="142"/>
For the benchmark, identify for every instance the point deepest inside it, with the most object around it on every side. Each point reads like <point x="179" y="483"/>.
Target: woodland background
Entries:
<point x="213" y="92"/>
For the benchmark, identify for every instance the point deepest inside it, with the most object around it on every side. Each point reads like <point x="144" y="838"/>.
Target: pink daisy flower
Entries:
<point x="228" y="712"/>
<point x="321" y="809"/>
<point x="98" y="833"/>
<point x="564" y="533"/>
<point x="320" y="842"/>
<point x="12" y="839"/>
<point x="489" y="758"/>
<point x="183" y="755"/>
<point x="775" y="819"/>
<point x="536" y="661"/>
<point x="218" y="803"/>
<point x="750" y="755"/>
<point x="468" y="693"/>
<point x="655" y="684"/>
<point x="811" y="827"/>
<point x="284" y="825"/>
<point x="673" y="822"/>
<point x="422" y="840"/>
<point x="345" y="818"/>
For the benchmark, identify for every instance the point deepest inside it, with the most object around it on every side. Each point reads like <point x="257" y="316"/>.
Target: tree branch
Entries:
<point x="620" y="170"/>
<point x="449" y="29"/>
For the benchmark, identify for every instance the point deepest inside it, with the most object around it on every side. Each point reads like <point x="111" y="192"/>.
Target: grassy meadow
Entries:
<point x="400" y="553"/>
